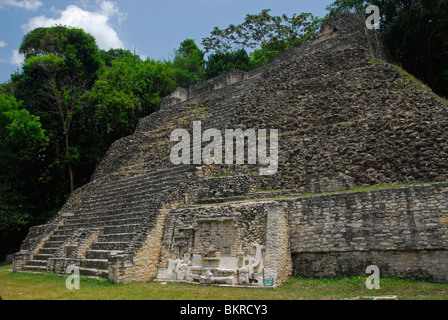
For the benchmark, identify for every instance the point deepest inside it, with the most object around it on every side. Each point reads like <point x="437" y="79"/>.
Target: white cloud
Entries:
<point x="3" y="44"/>
<point x="16" y="59"/>
<point x="97" y="23"/>
<point x="24" y="4"/>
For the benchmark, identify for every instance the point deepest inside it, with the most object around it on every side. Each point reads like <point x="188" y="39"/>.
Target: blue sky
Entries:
<point x="155" y="28"/>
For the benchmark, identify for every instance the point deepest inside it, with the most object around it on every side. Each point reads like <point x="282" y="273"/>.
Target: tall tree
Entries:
<point x="61" y="65"/>
<point x="22" y="139"/>
<point x="263" y="32"/>
<point x="126" y="92"/>
<point x="189" y="63"/>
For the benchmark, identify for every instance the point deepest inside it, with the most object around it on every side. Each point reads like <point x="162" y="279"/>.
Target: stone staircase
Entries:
<point x="107" y="223"/>
<point x="115" y="217"/>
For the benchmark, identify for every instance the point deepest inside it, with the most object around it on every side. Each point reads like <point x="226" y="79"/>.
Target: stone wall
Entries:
<point x="328" y="182"/>
<point x="222" y="81"/>
<point x="426" y="265"/>
<point x="229" y="186"/>
<point x="234" y="244"/>
<point x="402" y="230"/>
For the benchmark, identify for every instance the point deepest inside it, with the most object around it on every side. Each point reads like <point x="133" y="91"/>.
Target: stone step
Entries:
<point x="105" y="218"/>
<point x="94" y="272"/>
<point x="127" y="197"/>
<point x="117" y="237"/>
<point x="34" y="268"/>
<point x="101" y="264"/>
<point x="118" y="195"/>
<point x="53" y="244"/>
<point x="47" y="251"/>
<point x="101" y="215"/>
<point x="38" y="263"/>
<point x="42" y="256"/>
<point x="146" y="190"/>
<point x="102" y="254"/>
<point x="110" y="246"/>
<point x="121" y="201"/>
<point x="147" y="180"/>
<point x="104" y="221"/>
<point x="70" y="228"/>
<point x="66" y="231"/>
<point x="113" y="207"/>
<point x="58" y="238"/>
<point x="123" y="228"/>
<point x="97" y="224"/>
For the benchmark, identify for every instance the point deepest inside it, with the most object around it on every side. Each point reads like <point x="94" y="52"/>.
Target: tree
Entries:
<point x="61" y="65"/>
<point x="221" y="62"/>
<point x="126" y="92"/>
<point x="21" y="141"/>
<point x="78" y="49"/>
<point x="113" y="55"/>
<point x="347" y="6"/>
<point x="189" y="63"/>
<point x="263" y="32"/>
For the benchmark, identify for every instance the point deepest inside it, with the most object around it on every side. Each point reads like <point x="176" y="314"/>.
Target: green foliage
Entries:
<point x="61" y="65"/>
<point x="188" y="63"/>
<point x="77" y="48"/>
<point x="347" y="6"/>
<point x="221" y="62"/>
<point x="263" y="32"/>
<point x="127" y="91"/>
<point x="259" y="57"/>
<point x="21" y="140"/>
<point x="113" y="55"/>
<point x="22" y="136"/>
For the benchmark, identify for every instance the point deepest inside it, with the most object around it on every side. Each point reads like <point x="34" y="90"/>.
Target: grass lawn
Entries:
<point x="23" y="286"/>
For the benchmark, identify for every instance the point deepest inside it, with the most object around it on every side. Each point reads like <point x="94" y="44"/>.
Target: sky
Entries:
<point x="153" y="28"/>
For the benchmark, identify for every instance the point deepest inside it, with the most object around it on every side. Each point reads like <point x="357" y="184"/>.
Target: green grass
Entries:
<point x="378" y="187"/>
<point x="23" y="286"/>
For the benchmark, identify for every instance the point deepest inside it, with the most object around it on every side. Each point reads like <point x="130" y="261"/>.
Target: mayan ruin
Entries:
<point x="350" y="126"/>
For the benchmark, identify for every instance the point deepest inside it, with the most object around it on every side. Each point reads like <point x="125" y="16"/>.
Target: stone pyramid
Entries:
<point x="345" y="117"/>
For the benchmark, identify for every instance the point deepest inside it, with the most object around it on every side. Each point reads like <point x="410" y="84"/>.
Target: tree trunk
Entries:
<point x="69" y="166"/>
<point x="70" y="173"/>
